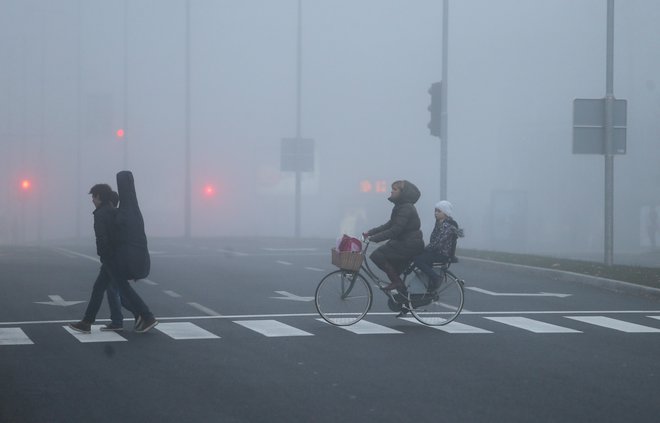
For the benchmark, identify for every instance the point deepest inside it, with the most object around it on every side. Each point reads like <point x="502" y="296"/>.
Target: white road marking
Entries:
<point x="205" y="310"/>
<point x="286" y="263"/>
<point x="532" y="325"/>
<point x="85" y="256"/>
<point x="172" y="294"/>
<point x="316" y="269"/>
<point x="314" y="314"/>
<point x="452" y="327"/>
<point x="232" y="252"/>
<point x="14" y="336"/>
<point x="56" y="300"/>
<point x="516" y="294"/>
<point x="96" y="335"/>
<point x="272" y="328"/>
<point x="288" y="249"/>
<point x="289" y="296"/>
<point x="364" y="327"/>
<point x="147" y="281"/>
<point x="620" y="325"/>
<point x="185" y="330"/>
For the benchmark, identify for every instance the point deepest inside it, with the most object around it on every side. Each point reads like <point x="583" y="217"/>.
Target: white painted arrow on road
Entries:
<point x="517" y="294"/>
<point x="56" y="300"/>
<point x="289" y="296"/>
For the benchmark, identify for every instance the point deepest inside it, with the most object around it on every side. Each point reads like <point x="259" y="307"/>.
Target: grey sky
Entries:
<point x="515" y="67"/>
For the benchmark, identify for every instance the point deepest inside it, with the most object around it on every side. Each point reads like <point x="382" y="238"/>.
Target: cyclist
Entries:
<point x="402" y="232"/>
<point x="442" y="245"/>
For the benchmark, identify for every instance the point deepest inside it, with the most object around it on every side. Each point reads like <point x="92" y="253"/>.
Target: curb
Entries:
<point x="563" y="275"/>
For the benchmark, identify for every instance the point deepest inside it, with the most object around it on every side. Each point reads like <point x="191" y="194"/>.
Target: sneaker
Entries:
<point x="112" y="327"/>
<point x="145" y="324"/>
<point x="82" y="327"/>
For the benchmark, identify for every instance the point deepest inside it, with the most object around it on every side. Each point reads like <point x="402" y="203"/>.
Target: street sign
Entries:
<point x="589" y="126"/>
<point x="297" y="155"/>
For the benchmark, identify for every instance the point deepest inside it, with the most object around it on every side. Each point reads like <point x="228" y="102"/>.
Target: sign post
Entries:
<point x="599" y="127"/>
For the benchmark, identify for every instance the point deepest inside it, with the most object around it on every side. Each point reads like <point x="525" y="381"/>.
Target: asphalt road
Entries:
<point x="239" y="341"/>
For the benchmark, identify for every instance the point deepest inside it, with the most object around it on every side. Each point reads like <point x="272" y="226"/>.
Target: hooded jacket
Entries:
<point x="443" y="238"/>
<point x="132" y="250"/>
<point x="403" y="228"/>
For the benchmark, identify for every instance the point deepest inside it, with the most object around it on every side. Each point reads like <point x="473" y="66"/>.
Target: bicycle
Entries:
<point x="343" y="297"/>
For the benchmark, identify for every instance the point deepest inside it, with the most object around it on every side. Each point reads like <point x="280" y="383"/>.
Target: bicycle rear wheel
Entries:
<point x="439" y="307"/>
<point x="343" y="298"/>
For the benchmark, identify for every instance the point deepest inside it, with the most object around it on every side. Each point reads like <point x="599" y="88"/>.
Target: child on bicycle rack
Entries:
<point x="402" y="232"/>
<point x="442" y="244"/>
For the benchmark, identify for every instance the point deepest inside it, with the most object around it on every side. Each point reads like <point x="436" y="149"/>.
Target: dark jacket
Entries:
<point x="132" y="250"/>
<point x="443" y="238"/>
<point x="105" y="232"/>
<point x="403" y="229"/>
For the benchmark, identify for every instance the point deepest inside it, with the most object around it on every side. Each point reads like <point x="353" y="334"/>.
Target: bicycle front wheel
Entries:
<point x="343" y="298"/>
<point x="441" y="306"/>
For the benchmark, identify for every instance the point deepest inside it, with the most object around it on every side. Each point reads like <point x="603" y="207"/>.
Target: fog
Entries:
<point x="69" y="80"/>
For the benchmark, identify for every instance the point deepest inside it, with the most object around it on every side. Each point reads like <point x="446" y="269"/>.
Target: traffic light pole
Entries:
<point x="443" y="102"/>
<point x="298" y="117"/>
<point x="125" y="111"/>
<point x="187" y="183"/>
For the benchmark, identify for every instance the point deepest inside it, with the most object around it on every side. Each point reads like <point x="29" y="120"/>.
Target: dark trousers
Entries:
<point x="425" y="262"/>
<point x="129" y="298"/>
<point x="115" y="303"/>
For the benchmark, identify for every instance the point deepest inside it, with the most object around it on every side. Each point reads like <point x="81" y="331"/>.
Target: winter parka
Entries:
<point x="402" y="231"/>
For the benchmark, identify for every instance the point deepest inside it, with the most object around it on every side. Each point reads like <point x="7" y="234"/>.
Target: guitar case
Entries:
<point x="132" y="251"/>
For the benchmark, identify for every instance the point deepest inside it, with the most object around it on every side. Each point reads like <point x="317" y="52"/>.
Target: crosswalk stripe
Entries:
<point x="14" y="336"/>
<point x="620" y="325"/>
<point x="532" y="325"/>
<point x="185" y="330"/>
<point x="272" y="328"/>
<point x="96" y="335"/>
<point x="364" y="327"/>
<point x="452" y="327"/>
<point x="275" y="328"/>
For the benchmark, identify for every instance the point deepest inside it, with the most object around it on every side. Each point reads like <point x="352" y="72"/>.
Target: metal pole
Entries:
<point x="188" y="194"/>
<point x="42" y="136"/>
<point x="609" y="157"/>
<point x="79" y="189"/>
<point x="443" y="101"/>
<point x="298" y="117"/>
<point x="125" y="119"/>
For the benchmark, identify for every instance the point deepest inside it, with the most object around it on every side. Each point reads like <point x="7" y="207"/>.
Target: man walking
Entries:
<point x="107" y="244"/>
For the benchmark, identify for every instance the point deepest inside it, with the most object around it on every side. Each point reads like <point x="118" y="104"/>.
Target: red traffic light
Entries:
<point x="120" y="133"/>
<point x="26" y="184"/>
<point x="209" y="190"/>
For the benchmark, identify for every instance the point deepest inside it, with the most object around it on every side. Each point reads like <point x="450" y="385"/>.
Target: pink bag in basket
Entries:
<point x="348" y="243"/>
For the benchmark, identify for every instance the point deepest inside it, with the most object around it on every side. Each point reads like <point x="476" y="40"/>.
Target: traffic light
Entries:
<point x="209" y="190"/>
<point x="435" y="125"/>
<point x="26" y="184"/>
<point x="120" y="134"/>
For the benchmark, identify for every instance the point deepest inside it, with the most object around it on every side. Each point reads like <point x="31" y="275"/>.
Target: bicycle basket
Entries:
<point x="347" y="260"/>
